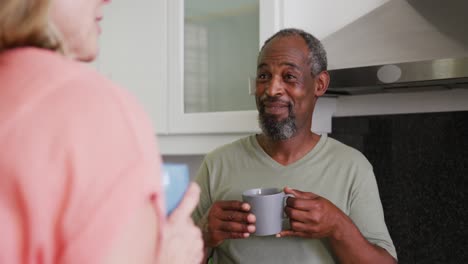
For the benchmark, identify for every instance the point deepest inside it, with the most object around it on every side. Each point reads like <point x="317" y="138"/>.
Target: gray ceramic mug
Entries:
<point x="267" y="204"/>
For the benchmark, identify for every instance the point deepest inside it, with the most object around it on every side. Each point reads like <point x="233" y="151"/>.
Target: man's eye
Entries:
<point x="289" y="77"/>
<point x="261" y="76"/>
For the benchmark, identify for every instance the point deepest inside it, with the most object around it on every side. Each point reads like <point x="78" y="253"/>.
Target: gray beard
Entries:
<point x="277" y="130"/>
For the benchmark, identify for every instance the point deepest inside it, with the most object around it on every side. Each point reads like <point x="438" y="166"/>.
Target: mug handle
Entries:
<point x="285" y="198"/>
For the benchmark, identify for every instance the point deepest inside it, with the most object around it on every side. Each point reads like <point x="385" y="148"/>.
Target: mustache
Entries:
<point x="268" y="99"/>
<point x="265" y="98"/>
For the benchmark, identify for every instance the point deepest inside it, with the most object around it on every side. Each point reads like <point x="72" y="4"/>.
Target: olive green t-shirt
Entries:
<point x="331" y="169"/>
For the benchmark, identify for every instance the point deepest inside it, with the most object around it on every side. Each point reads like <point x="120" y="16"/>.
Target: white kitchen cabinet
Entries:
<point x="134" y="53"/>
<point x="240" y="115"/>
<point x="237" y="118"/>
<point x="142" y="48"/>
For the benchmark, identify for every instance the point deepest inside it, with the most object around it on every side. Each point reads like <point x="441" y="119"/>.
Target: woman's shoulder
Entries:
<point x="47" y="82"/>
<point x="42" y="66"/>
<point x="73" y="80"/>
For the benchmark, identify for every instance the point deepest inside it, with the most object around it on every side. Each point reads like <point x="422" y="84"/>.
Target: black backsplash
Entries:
<point x="421" y="165"/>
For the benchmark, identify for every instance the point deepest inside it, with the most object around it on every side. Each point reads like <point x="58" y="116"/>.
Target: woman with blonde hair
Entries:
<point x="79" y="167"/>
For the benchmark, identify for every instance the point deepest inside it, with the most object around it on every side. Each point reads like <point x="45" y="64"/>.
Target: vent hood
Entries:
<point x="401" y="46"/>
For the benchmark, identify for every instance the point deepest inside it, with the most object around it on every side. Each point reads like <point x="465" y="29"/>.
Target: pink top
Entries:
<point x="77" y="158"/>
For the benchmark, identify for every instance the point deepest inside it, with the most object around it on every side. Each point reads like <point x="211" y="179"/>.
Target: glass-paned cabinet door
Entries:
<point x="212" y="51"/>
<point x="220" y="48"/>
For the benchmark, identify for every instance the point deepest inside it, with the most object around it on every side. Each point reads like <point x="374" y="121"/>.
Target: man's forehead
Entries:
<point x="290" y="50"/>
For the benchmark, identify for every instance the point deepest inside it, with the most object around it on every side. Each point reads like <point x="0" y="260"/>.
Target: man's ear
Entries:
<point x="321" y="83"/>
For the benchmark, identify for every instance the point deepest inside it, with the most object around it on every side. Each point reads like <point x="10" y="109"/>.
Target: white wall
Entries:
<point x="398" y="31"/>
<point x="314" y="15"/>
<point x="368" y="32"/>
<point x="133" y="53"/>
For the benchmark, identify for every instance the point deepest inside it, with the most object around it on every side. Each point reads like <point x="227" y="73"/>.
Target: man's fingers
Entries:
<point x="300" y="194"/>
<point x="188" y="203"/>
<point x="236" y="227"/>
<point x="298" y="226"/>
<point x="298" y="214"/>
<point x="233" y="205"/>
<point x="236" y="216"/>
<point x="301" y="204"/>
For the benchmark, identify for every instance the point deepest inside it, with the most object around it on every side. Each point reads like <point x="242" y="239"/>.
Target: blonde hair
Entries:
<point x="27" y="23"/>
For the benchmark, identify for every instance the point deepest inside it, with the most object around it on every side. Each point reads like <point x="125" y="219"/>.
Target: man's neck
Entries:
<point x="290" y="150"/>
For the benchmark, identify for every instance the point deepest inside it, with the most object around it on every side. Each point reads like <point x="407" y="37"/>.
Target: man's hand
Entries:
<point x="227" y="220"/>
<point x="311" y="216"/>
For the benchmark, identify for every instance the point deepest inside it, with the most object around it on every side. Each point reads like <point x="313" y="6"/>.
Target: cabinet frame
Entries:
<point x="179" y="122"/>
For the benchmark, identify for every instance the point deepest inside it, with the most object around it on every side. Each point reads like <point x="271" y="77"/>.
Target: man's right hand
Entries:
<point x="227" y="220"/>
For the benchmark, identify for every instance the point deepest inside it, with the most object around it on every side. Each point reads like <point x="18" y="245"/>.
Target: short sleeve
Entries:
<point x="367" y="213"/>
<point x="202" y="179"/>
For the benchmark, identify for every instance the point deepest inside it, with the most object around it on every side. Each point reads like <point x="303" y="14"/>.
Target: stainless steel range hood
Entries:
<point x="401" y="46"/>
<point x="440" y="74"/>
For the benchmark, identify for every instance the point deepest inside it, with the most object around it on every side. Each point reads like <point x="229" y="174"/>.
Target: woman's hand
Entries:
<point x="182" y="241"/>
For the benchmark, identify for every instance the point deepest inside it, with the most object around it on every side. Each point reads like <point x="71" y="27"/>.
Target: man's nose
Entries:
<point x="275" y="87"/>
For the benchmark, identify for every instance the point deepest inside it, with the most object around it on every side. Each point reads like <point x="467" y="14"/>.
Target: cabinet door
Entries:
<point x="133" y="53"/>
<point x="212" y="47"/>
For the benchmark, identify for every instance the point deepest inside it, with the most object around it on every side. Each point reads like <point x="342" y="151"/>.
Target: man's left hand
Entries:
<point x="312" y="216"/>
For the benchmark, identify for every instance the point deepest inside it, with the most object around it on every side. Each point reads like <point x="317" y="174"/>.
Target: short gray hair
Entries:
<point x="317" y="54"/>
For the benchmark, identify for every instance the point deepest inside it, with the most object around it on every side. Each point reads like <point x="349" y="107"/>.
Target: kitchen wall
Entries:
<point x="420" y="165"/>
<point x="418" y="147"/>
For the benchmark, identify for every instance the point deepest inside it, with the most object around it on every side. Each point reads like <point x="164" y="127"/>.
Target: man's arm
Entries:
<point x="313" y="216"/>
<point x="350" y="246"/>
